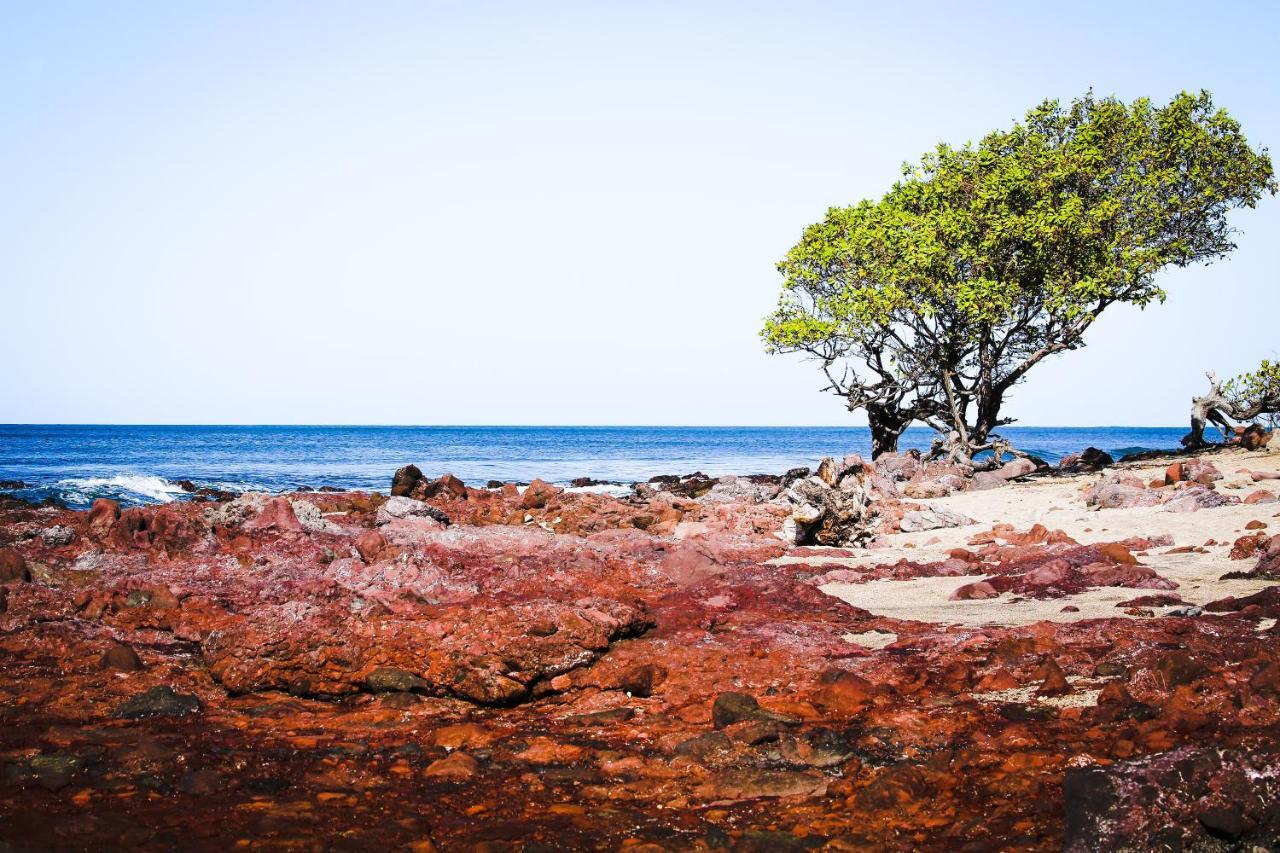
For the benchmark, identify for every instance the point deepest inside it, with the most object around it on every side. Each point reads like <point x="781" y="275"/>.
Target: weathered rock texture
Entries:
<point x="498" y="669"/>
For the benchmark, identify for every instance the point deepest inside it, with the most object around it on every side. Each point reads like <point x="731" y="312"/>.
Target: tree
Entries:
<point x="1244" y="398"/>
<point x="931" y="303"/>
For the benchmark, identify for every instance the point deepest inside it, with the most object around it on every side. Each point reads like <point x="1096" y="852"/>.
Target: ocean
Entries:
<point x="138" y="464"/>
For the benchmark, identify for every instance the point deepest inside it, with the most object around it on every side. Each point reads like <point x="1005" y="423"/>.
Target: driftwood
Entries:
<point x="960" y="452"/>
<point x="1218" y="409"/>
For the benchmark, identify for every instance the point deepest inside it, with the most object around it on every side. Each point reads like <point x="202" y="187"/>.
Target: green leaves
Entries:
<point x="983" y="259"/>
<point x="1258" y="391"/>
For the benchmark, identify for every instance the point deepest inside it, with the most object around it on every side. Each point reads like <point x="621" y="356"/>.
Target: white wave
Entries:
<point x="611" y="489"/>
<point x="142" y="487"/>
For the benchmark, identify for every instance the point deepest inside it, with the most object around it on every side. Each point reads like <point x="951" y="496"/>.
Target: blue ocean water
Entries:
<point x="138" y="464"/>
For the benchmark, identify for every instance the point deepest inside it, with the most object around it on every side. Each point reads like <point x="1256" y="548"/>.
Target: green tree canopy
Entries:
<point x="931" y="303"/>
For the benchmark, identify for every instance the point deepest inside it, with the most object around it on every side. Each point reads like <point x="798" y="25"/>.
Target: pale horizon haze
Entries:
<point x="541" y="213"/>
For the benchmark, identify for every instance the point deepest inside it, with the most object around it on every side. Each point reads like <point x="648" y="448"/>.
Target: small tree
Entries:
<point x="930" y="304"/>
<point x="1245" y="398"/>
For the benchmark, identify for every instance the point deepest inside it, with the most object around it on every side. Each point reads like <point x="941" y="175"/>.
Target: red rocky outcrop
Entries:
<point x="596" y="673"/>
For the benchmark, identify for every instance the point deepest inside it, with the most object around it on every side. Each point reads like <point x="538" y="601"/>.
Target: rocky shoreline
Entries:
<point x="905" y="654"/>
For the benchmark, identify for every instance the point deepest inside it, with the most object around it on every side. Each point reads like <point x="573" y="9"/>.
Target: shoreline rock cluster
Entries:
<point x="451" y="667"/>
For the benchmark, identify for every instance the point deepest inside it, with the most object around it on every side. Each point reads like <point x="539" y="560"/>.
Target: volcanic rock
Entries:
<point x="160" y="701"/>
<point x="13" y="567"/>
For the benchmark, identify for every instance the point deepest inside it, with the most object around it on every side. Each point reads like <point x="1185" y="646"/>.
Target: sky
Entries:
<point x="541" y="213"/>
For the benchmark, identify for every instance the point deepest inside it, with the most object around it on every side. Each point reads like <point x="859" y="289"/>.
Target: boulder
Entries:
<point x="57" y="536"/>
<point x="405" y="480"/>
<point x="102" y="516"/>
<point x="976" y="591"/>
<point x="931" y="518"/>
<point x="1020" y="467"/>
<point x="402" y="507"/>
<point x="1255" y="437"/>
<point x="537" y="493"/>
<point x="276" y="515"/>
<point x="1089" y="460"/>
<point x="730" y="708"/>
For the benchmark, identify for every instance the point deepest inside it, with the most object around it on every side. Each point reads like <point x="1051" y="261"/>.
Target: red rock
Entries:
<point x="1054" y="680"/>
<point x="102" y="516"/>
<point x="1247" y="546"/>
<point x="456" y="765"/>
<point x="537" y="493"/>
<point x="997" y="681"/>
<point x="131" y="530"/>
<point x="13" y="567"/>
<point x="370" y="544"/>
<point x="121" y="658"/>
<point x="976" y="591"/>
<point x="641" y="679"/>
<point x="1255" y="524"/>
<point x="1114" y="693"/>
<point x="1117" y="553"/>
<point x="1165" y="600"/>
<point x="1261" y="496"/>
<point x="1255" y="437"/>
<point x="277" y="515"/>
<point x="844" y="693"/>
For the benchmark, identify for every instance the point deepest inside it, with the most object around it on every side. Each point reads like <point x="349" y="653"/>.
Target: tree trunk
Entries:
<point x="1214" y="408"/>
<point x="887" y="423"/>
<point x="988" y="417"/>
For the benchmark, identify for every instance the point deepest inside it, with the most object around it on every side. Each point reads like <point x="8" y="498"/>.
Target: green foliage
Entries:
<point x="984" y="259"/>
<point x="1256" y="393"/>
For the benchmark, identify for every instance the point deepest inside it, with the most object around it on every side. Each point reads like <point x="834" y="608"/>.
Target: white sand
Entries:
<point x="1058" y="504"/>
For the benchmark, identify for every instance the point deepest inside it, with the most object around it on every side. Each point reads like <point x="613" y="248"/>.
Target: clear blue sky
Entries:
<point x="481" y="212"/>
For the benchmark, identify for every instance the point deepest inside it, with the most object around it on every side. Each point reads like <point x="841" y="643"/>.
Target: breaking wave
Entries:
<point x="128" y="489"/>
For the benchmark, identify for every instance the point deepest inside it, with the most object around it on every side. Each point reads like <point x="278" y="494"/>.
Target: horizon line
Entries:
<point x="551" y="426"/>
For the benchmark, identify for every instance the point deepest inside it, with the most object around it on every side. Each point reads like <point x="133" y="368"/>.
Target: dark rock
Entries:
<point x="161" y="701"/>
<point x="121" y="658"/>
<point x="404" y="481"/>
<point x="186" y="485"/>
<point x="54" y="772"/>
<point x="640" y="680"/>
<point x="730" y="708"/>
<point x="390" y="679"/>
<point x="1089" y="460"/>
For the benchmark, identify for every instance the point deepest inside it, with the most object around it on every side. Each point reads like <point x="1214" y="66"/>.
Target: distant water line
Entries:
<point x="140" y="464"/>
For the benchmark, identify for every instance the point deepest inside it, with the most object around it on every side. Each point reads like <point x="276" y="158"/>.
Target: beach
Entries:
<point x="892" y="655"/>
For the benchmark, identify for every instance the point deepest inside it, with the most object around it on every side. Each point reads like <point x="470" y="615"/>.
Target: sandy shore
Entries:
<point x="1057" y="503"/>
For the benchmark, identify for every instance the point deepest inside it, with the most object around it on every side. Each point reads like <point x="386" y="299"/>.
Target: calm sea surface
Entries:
<point x="137" y="464"/>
